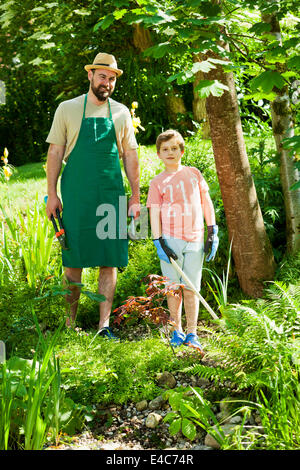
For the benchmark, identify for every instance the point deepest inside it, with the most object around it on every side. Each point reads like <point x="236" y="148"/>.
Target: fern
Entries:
<point x="259" y="337"/>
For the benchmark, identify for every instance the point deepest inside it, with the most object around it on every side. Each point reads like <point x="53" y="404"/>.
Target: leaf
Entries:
<point x="82" y="12"/>
<point x="267" y="80"/>
<point x="292" y="143"/>
<point x="187" y="75"/>
<point x="118" y="14"/>
<point x="93" y="296"/>
<point x="259" y="28"/>
<point x="207" y="87"/>
<point x="295" y="186"/>
<point x="158" y="51"/>
<point x="48" y="45"/>
<point x="294" y="62"/>
<point x="170" y="417"/>
<point x="36" y="61"/>
<point x="175" y="426"/>
<point x="105" y="22"/>
<point x="188" y="429"/>
<point x="174" y="400"/>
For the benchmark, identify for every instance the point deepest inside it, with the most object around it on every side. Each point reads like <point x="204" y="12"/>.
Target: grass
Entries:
<point x="26" y="181"/>
<point x="114" y="372"/>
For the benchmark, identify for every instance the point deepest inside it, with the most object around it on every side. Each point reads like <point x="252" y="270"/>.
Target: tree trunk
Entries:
<point x="283" y="126"/>
<point x="251" y="248"/>
<point x="141" y="37"/>
<point x="176" y="110"/>
<point x="199" y="108"/>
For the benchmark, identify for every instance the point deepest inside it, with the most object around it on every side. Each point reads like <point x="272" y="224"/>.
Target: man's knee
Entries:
<point x="73" y="274"/>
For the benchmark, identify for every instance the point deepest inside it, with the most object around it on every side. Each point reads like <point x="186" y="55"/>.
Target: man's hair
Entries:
<point x="167" y="135"/>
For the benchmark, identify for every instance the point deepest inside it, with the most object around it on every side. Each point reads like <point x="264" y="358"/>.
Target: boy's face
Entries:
<point x="170" y="153"/>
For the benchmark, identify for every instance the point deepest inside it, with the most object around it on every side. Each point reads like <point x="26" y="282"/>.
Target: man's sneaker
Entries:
<point x="177" y="338"/>
<point x="192" y="340"/>
<point x="106" y="332"/>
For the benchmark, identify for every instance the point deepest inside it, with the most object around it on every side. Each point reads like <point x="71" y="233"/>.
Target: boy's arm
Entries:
<point x="155" y="221"/>
<point x="208" y="209"/>
<point x="212" y="240"/>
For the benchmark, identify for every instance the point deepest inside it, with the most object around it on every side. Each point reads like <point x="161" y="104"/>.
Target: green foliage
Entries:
<point x="259" y="338"/>
<point x="264" y="163"/>
<point x="95" y="370"/>
<point x="189" y="410"/>
<point x="142" y="261"/>
<point x="31" y="401"/>
<point x="25" y="123"/>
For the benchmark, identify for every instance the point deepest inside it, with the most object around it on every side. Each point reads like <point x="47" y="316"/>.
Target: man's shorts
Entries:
<point x="190" y="260"/>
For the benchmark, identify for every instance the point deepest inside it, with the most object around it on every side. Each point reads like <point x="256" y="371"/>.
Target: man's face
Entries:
<point x="103" y="83"/>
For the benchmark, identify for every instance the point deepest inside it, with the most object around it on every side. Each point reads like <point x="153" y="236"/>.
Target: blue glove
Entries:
<point x="212" y="242"/>
<point x="163" y="251"/>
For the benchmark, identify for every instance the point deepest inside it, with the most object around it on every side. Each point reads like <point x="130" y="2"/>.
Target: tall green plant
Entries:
<point x="33" y="235"/>
<point x="6" y="401"/>
<point x="40" y="381"/>
<point x="221" y="285"/>
<point x="35" y="243"/>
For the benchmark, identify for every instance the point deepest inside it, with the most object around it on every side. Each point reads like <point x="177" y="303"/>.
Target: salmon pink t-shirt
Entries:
<point x="179" y="196"/>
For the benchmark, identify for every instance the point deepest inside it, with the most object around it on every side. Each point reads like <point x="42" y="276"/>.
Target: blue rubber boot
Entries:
<point x="177" y="338"/>
<point x="192" y="340"/>
<point x="106" y="332"/>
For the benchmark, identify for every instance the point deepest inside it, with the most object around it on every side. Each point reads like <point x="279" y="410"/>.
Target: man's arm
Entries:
<point x="54" y="163"/>
<point x="132" y="170"/>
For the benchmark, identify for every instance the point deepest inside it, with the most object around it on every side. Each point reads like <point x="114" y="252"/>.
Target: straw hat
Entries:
<point x="104" y="61"/>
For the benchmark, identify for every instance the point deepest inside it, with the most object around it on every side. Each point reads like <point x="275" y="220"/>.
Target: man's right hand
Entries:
<point x="53" y="203"/>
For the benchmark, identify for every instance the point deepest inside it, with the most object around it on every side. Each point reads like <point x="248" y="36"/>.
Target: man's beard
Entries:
<point x="101" y="92"/>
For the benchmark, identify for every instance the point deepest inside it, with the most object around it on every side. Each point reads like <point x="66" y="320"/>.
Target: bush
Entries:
<point x="25" y="123"/>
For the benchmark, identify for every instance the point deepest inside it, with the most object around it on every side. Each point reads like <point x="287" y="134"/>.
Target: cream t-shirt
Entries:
<point x="67" y="121"/>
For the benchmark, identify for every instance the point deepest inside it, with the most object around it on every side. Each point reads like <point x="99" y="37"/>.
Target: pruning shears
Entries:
<point x="59" y="233"/>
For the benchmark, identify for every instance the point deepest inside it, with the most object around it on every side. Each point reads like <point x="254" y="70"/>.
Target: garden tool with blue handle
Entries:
<point x="165" y="253"/>
<point x="59" y="233"/>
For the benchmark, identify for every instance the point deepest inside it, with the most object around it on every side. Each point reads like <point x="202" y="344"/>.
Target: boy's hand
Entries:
<point x="163" y="251"/>
<point x="212" y="242"/>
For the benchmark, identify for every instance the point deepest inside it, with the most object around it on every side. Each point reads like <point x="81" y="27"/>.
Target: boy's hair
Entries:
<point x="167" y="135"/>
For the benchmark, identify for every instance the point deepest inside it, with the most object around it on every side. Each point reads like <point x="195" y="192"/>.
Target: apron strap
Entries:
<point x="110" y="113"/>
<point x="84" y="107"/>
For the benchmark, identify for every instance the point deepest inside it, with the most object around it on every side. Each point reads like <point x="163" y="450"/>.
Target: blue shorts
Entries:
<point x="190" y="260"/>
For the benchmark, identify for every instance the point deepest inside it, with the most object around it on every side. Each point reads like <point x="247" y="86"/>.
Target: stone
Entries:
<point x="166" y="380"/>
<point x="212" y="442"/>
<point x="141" y="405"/>
<point x="157" y="403"/>
<point x="203" y="383"/>
<point x="153" y="420"/>
<point x="235" y="419"/>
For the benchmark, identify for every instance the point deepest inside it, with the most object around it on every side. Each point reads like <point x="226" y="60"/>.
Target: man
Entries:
<point x="89" y="133"/>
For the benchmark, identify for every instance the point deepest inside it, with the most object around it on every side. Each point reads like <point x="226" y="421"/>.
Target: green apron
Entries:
<point x="91" y="178"/>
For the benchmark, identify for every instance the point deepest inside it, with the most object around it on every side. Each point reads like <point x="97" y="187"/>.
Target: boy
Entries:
<point x="178" y="199"/>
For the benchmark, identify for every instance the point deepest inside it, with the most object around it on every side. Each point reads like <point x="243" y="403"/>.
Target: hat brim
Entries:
<point x="88" y="67"/>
